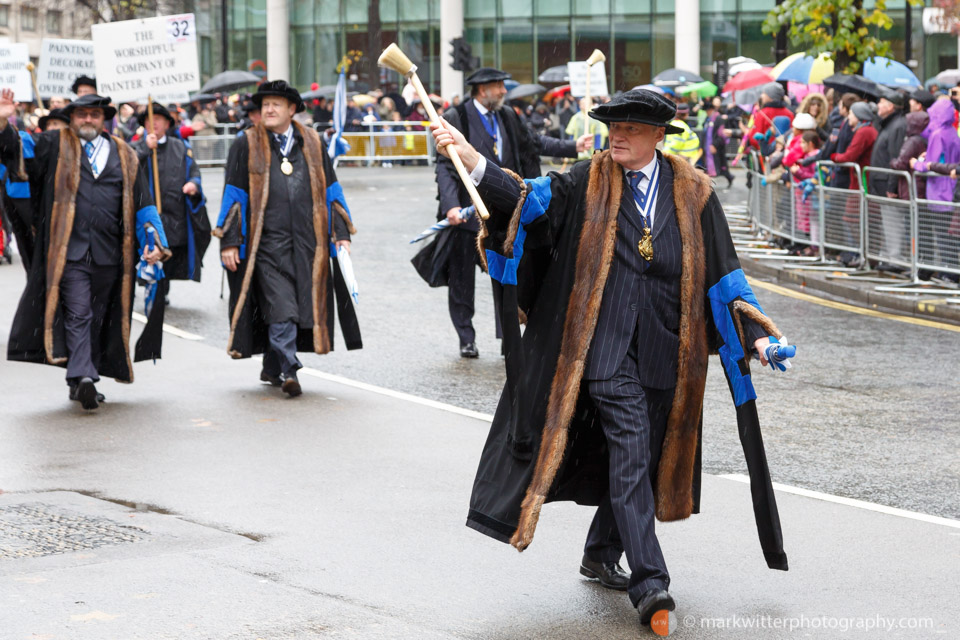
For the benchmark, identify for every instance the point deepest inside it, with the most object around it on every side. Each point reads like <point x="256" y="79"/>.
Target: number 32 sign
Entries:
<point x="181" y="28"/>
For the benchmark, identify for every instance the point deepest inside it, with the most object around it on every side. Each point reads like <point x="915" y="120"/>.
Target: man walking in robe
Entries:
<point x="621" y="259"/>
<point x="502" y="138"/>
<point x="183" y="207"/>
<point x="282" y="219"/>
<point x="92" y="205"/>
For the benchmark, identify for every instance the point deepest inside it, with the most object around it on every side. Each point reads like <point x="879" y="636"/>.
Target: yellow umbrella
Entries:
<point x="803" y="69"/>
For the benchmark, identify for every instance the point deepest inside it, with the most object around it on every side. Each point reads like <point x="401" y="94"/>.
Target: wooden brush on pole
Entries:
<point x="595" y="57"/>
<point x="156" y="168"/>
<point x="393" y="58"/>
<point x="36" y="89"/>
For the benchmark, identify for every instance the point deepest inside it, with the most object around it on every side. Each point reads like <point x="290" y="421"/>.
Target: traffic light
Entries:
<point x="462" y="58"/>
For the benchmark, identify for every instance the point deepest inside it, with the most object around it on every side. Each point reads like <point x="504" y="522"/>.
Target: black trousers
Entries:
<point x="85" y="293"/>
<point x="633" y="419"/>
<point x="461" y="286"/>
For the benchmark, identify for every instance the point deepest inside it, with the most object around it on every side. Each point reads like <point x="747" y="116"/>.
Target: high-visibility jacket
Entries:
<point x="685" y="144"/>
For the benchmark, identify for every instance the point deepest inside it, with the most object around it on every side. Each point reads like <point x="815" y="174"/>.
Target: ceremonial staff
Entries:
<point x="595" y="57"/>
<point x="393" y="58"/>
<point x="156" y="168"/>
<point x="36" y="89"/>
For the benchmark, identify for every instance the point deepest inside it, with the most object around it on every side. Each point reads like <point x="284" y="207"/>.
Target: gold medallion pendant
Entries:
<point x="286" y="167"/>
<point x="645" y="246"/>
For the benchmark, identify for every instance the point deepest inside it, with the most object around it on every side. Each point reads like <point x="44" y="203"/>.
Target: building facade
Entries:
<point x="32" y="21"/>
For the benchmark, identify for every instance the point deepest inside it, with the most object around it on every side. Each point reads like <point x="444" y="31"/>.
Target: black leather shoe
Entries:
<point x="610" y="574"/>
<point x="469" y="350"/>
<point x="290" y="385"/>
<point x="274" y="381"/>
<point x="87" y="394"/>
<point x="73" y="395"/>
<point x="652" y="601"/>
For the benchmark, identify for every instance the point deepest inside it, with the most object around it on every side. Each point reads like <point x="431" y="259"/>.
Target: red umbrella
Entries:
<point x="748" y="80"/>
<point x="553" y="94"/>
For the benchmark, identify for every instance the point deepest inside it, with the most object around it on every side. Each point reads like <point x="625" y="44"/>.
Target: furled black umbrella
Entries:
<point x="675" y="78"/>
<point x="325" y="91"/>
<point x="229" y="81"/>
<point x="555" y="75"/>
<point x="853" y="83"/>
<point x="525" y="90"/>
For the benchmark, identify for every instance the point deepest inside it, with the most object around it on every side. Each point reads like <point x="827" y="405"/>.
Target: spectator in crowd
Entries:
<point x="804" y="176"/>
<point x="816" y="105"/>
<point x="205" y="122"/>
<point x="802" y="123"/>
<point x="841" y="134"/>
<point x="418" y="114"/>
<point x="921" y="100"/>
<point x="913" y="147"/>
<point x="127" y="123"/>
<point x="386" y="109"/>
<point x="892" y="130"/>
<point x="576" y="127"/>
<point x="858" y="151"/>
<point x="321" y="114"/>
<point x="685" y="144"/>
<point x="354" y="116"/>
<point x="942" y="156"/>
<point x="715" y="140"/>
<point x="771" y="106"/>
<point x="566" y="107"/>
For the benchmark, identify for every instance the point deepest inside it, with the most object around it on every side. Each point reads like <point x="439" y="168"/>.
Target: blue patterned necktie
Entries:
<point x="282" y="141"/>
<point x="640" y="196"/>
<point x="89" y="148"/>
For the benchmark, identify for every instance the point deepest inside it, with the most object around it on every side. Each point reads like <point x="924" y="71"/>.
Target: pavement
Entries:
<point x="197" y="503"/>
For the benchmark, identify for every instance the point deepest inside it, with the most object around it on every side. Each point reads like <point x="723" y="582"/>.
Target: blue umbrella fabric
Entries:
<point x="894" y="74"/>
<point x="150" y="276"/>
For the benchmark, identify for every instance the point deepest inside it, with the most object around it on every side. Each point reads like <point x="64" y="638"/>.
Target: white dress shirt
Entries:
<point x="101" y="153"/>
<point x="645" y="184"/>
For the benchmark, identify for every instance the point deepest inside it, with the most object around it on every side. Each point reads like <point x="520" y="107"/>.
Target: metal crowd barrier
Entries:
<point x="915" y="234"/>
<point x="383" y="143"/>
<point x="211" y="151"/>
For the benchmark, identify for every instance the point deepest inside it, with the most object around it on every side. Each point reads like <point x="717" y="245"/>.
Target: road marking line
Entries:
<point x="486" y="417"/>
<point x="180" y="333"/>
<point x="790" y="293"/>
<point x="397" y="394"/>
<point x="851" y="502"/>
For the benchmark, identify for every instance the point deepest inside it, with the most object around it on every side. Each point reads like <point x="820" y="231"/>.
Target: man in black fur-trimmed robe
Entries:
<point x="183" y="206"/>
<point x="282" y="215"/>
<point x="625" y="274"/>
<point x="93" y="209"/>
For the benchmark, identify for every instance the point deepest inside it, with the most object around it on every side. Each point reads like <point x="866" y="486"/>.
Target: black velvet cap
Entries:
<point x="484" y="75"/>
<point x="55" y="114"/>
<point x="91" y="101"/>
<point x="638" y="105"/>
<point x="158" y="110"/>
<point x="83" y="81"/>
<point x="278" y="88"/>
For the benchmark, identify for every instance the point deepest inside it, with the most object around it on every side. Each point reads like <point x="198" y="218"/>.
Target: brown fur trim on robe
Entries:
<point x="258" y="166"/>
<point x="66" y="184"/>
<point x="674" y="495"/>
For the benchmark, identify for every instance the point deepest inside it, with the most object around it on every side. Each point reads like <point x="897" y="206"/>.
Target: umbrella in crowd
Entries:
<point x="853" y="83"/>
<point x="948" y="78"/>
<point x="525" y="91"/>
<point x="556" y="92"/>
<point x="229" y="81"/>
<point x="510" y="83"/>
<point x="804" y="69"/>
<point x="739" y="64"/>
<point x="675" y="78"/>
<point x="748" y="80"/>
<point x="326" y="91"/>
<point x="890" y="73"/>
<point x="705" y="89"/>
<point x="203" y="97"/>
<point x="555" y="75"/>
<point x="650" y="87"/>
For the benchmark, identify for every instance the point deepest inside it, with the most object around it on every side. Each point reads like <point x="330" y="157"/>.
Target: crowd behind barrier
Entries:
<point x="915" y="234"/>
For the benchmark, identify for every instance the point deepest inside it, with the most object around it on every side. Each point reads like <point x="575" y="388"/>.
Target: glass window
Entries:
<point x="663" y="43"/>
<point x="548" y="8"/>
<point x="53" y="21"/>
<point x="630" y="7"/>
<point x="414" y="10"/>
<point x="516" y="49"/>
<point x="481" y="34"/>
<point x="389" y="11"/>
<point x="518" y="8"/>
<point x="718" y="40"/>
<point x="479" y="9"/>
<point x="324" y="11"/>
<point x="753" y="42"/>
<point x="553" y="45"/>
<point x="302" y="62"/>
<point x="257" y="14"/>
<point x="590" y="35"/>
<point x="327" y="52"/>
<point x="632" y="54"/>
<point x="594" y="8"/>
<point x="4" y="15"/>
<point x="355" y="12"/>
<point x="666" y="7"/>
<point x="28" y="18"/>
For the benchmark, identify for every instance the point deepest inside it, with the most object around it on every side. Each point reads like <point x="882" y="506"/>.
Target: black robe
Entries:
<point x="304" y="255"/>
<point x="184" y="217"/>
<point x="551" y="251"/>
<point x="37" y="333"/>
